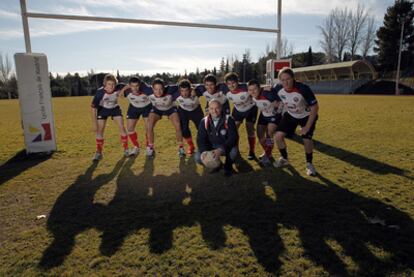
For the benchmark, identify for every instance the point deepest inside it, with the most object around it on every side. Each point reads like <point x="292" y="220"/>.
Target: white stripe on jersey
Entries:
<point x="266" y="107"/>
<point x="242" y="100"/>
<point x="162" y="103"/>
<point x="294" y="103"/>
<point x="138" y="100"/>
<point x="219" y="96"/>
<point x="189" y="103"/>
<point x="110" y="100"/>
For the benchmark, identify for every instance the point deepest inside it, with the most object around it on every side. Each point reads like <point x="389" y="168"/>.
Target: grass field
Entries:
<point x="167" y="217"/>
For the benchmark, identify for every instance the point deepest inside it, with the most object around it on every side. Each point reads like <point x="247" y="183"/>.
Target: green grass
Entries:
<point x="169" y="217"/>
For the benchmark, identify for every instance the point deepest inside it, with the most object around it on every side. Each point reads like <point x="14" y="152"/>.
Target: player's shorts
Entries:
<point x="104" y="113"/>
<point x="265" y="120"/>
<point x="250" y="115"/>
<point x="289" y="123"/>
<point x="185" y="116"/>
<point x="161" y="113"/>
<point x="225" y="108"/>
<point x="134" y="112"/>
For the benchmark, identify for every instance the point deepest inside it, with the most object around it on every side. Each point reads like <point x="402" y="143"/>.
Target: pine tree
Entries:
<point x="388" y="36"/>
<point x="222" y="66"/>
<point x="227" y="68"/>
<point x="309" y="57"/>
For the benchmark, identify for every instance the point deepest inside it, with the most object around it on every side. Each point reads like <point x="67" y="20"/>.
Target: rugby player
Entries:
<point x="163" y="103"/>
<point x="104" y="105"/>
<point x="301" y="109"/>
<point x="244" y="108"/>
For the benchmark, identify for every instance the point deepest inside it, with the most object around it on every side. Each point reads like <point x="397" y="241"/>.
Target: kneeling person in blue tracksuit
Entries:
<point x="218" y="133"/>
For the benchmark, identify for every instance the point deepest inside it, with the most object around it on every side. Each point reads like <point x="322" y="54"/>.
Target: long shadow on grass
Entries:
<point x="332" y="220"/>
<point x="357" y="159"/>
<point x="19" y="163"/>
<point x="325" y="221"/>
<point x="73" y="213"/>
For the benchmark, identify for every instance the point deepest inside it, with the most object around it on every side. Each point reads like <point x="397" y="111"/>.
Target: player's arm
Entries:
<point x="202" y="136"/>
<point x="312" y="117"/>
<point x="145" y="88"/>
<point x="200" y="89"/>
<point x="173" y="90"/>
<point x="314" y="108"/>
<point x="232" y="136"/>
<point x="274" y="96"/>
<point x="223" y="88"/>
<point x="94" y="108"/>
<point x="123" y="90"/>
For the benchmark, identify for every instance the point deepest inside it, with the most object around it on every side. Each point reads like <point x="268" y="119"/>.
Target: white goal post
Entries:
<point x="25" y="15"/>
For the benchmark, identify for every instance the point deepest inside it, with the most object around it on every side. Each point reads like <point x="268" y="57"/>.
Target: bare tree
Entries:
<point x="286" y="48"/>
<point x="267" y="50"/>
<point x="357" y="22"/>
<point x="327" y="42"/>
<point x="341" y="31"/>
<point x="369" y="36"/>
<point x="5" y="72"/>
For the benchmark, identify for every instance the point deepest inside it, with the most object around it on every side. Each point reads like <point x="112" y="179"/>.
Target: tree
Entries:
<point x="368" y="37"/>
<point x="327" y="42"/>
<point x="388" y="35"/>
<point x="227" y="67"/>
<point x="5" y="73"/>
<point x="309" y="57"/>
<point x="357" y="22"/>
<point x="341" y="31"/>
<point x="222" y="66"/>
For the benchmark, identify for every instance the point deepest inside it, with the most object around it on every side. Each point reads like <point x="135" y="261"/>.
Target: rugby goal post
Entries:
<point x="33" y="75"/>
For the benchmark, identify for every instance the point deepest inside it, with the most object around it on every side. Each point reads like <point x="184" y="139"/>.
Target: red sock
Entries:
<point x="190" y="142"/>
<point x="180" y="145"/>
<point x="263" y="144"/>
<point x="252" y="143"/>
<point x="134" y="139"/>
<point x="269" y="147"/>
<point x="269" y="150"/>
<point x="124" y="141"/>
<point x="99" y="145"/>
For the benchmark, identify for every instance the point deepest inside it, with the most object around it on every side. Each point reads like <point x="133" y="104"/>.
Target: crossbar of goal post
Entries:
<point x="26" y="15"/>
<point x="33" y="73"/>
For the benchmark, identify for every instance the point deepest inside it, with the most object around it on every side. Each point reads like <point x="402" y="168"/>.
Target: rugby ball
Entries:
<point x="208" y="159"/>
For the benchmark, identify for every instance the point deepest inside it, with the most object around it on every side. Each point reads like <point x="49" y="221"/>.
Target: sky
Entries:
<point x="77" y="46"/>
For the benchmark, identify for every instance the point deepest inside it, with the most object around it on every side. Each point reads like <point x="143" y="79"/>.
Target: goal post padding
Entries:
<point x="35" y="100"/>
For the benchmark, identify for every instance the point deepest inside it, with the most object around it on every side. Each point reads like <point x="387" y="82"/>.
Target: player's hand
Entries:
<point x="125" y="88"/>
<point x="217" y="153"/>
<point x="267" y="87"/>
<point x="304" y="130"/>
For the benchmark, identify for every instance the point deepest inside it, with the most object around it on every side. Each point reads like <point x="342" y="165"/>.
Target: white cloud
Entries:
<point x="9" y="15"/>
<point x="178" y="10"/>
<point x="202" y="10"/>
<point x="174" y="64"/>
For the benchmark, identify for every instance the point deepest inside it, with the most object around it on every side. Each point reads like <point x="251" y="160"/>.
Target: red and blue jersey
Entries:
<point x="219" y="93"/>
<point x="141" y="98"/>
<point x="186" y="103"/>
<point x="266" y="103"/>
<point x="105" y="100"/>
<point x="298" y="100"/>
<point x="240" y="97"/>
<point x="166" y="101"/>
